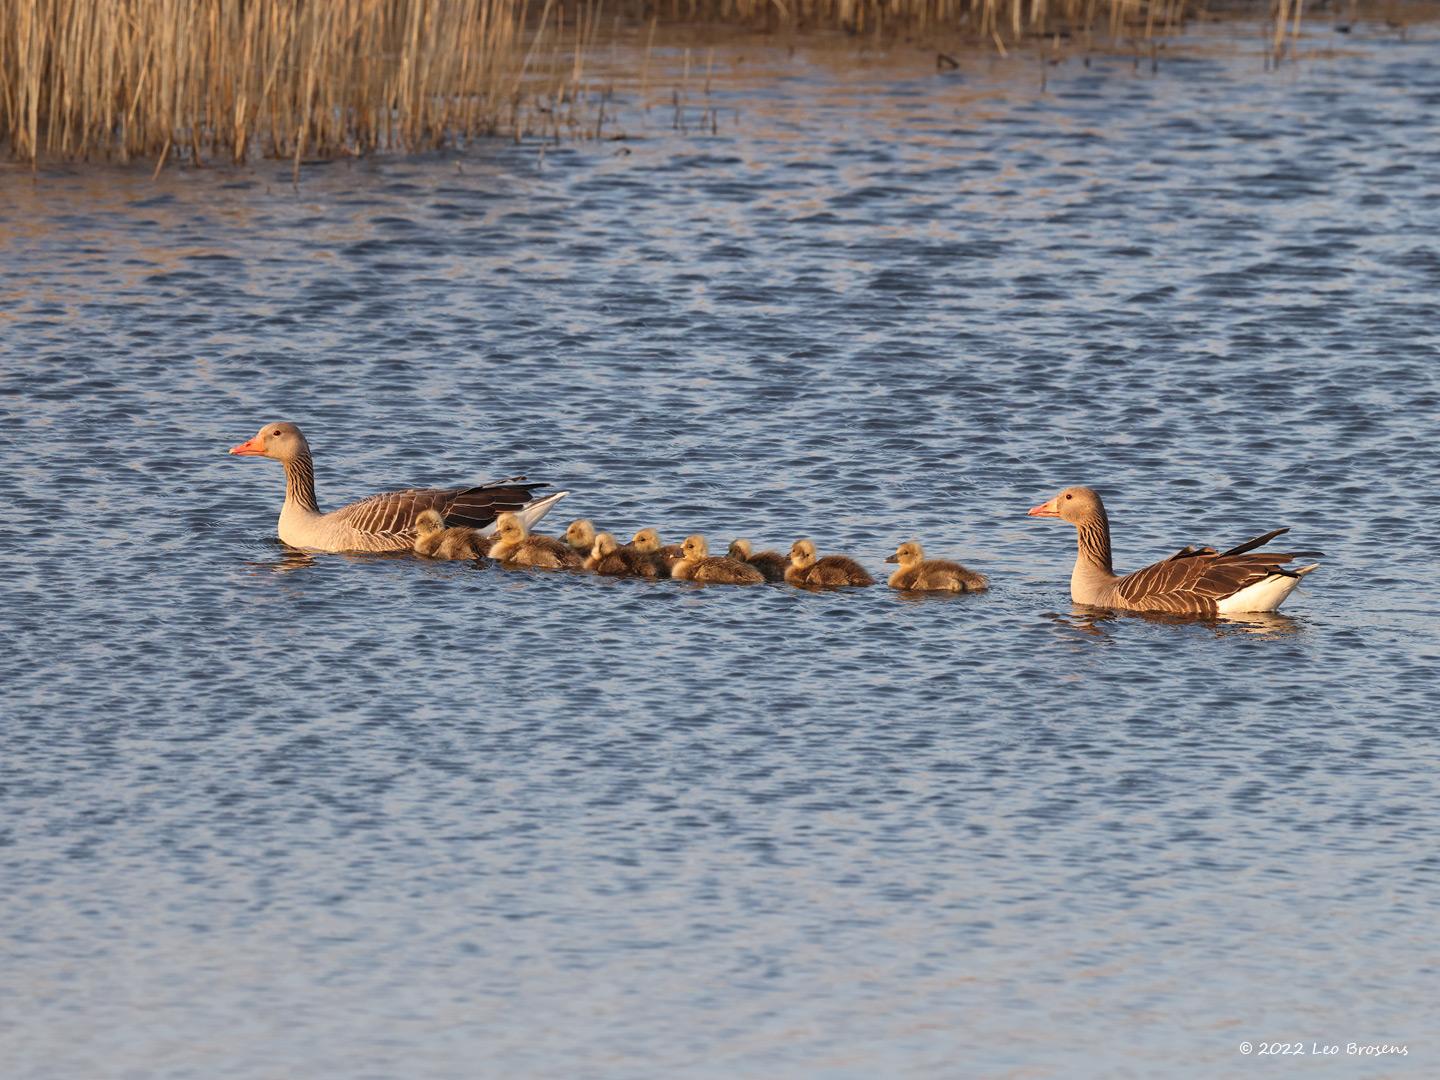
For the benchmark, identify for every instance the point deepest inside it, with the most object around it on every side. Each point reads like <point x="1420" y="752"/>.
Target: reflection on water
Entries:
<point x="1094" y="621"/>
<point x="396" y="818"/>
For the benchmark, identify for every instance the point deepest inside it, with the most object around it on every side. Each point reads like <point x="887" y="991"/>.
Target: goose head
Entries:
<point x="802" y="554"/>
<point x="908" y="554"/>
<point x="694" y="549"/>
<point x="281" y="441"/>
<point x="581" y="534"/>
<point x="604" y="545"/>
<point x="509" y="529"/>
<point x="1076" y="505"/>
<point x="646" y="541"/>
<point x="739" y="549"/>
<point x="429" y="521"/>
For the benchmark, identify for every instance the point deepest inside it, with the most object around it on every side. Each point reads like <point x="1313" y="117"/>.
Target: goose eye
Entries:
<point x="1069" y="497"/>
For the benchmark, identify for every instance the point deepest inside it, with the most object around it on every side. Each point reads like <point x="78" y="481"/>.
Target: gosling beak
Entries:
<point x="1047" y="509"/>
<point x="249" y="448"/>
<point x="894" y="558"/>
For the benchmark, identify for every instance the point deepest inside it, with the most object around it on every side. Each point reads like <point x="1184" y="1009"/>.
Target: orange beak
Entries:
<point x="249" y="448"/>
<point x="1045" y="509"/>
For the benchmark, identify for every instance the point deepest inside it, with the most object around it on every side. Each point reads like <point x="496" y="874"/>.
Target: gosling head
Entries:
<point x="908" y="554"/>
<point x="695" y="548"/>
<point x="509" y="528"/>
<point x="429" y="521"/>
<point x="646" y="541"/>
<point x="281" y="441"/>
<point x="802" y="554"/>
<point x="1077" y="505"/>
<point x="739" y="549"/>
<point x="604" y="545"/>
<point x="581" y="534"/>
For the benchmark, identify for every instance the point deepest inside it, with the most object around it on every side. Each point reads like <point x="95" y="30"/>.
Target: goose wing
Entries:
<point x="1193" y="581"/>
<point x="393" y="513"/>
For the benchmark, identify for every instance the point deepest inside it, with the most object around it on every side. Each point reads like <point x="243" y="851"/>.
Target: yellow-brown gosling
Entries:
<point x="517" y="546"/>
<point x="699" y="565"/>
<point x="771" y="564"/>
<point x="932" y="575"/>
<point x="647" y="541"/>
<point x="435" y="541"/>
<point x="581" y="535"/>
<point x="609" y="558"/>
<point x="807" y="571"/>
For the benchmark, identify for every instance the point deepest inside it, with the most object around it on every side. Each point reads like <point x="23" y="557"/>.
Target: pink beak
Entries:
<point x="249" y="448"/>
<point x="1045" y="509"/>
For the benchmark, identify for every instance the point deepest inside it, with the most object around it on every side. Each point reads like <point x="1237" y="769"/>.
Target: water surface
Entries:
<point x="274" y="816"/>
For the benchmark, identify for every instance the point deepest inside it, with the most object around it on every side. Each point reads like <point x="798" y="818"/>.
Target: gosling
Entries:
<point x="807" y="571"/>
<point x="935" y="575"/>
<point x="647" y="542"/>
<point x="515" y="545"/>
<point x="608" y="558"/>
<point x="581" y="535"/>
<point x="435" y="541"/>
<point x="699" y="565"/>
<point x="771" y="564"/>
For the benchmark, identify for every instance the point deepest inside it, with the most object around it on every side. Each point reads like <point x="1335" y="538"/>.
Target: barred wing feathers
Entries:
<point x="393" y="513"/>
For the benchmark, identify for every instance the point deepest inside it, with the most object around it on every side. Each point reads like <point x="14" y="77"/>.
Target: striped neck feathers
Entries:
<point x="1093" y="533"/>
<point x="300" y="483"/>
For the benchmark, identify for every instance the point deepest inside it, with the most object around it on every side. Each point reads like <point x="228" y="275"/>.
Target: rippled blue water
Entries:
<point x="264" y="816"/>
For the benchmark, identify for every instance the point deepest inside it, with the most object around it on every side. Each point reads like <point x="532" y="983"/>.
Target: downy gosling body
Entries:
<point x="771" y="564"/>
<point x="699" y="565"/>
<point x="609" y="558"/>
<point x="435" y="541"/>
<point x="807" y="571"/>
<point x="919" y="574"/>
<point x="515" y="545"/>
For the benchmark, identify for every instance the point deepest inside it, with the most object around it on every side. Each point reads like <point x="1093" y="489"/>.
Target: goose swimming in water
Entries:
<point x="517" y="546"/>
<point x="384" y="522"/>
<point x="435" y="541"/>
<point x="699" y="565"/>
<point x="647" y="541"/>
<point x="807" y="571"/>
<point x="608" y="558"/>
<point x="771" y="564"/>
<point x="1196" y="581"/>
<point x="917" y="574"/>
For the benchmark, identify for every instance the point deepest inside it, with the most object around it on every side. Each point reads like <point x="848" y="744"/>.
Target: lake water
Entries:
<point x="269" y="816"/>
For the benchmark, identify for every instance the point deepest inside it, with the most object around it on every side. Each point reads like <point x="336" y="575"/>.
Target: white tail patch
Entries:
<point x="530" y="513"/>
<point x="1267" y="594"/>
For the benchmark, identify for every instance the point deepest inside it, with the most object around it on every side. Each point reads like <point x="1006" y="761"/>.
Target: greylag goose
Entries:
<point x="514" y="544"/>
<point x="435" y="541"/>
<point x="918" y="574"/>
<point x="581" y="535"/>
<point x="771" y="564"/>
<point x="697" y="564"/>
<point x="1194" y="581"/>
<point x="647" y="542"/>
<point x="807" y="571"/>
<point x="608" y="558"/>
<point x="383" y="522"/>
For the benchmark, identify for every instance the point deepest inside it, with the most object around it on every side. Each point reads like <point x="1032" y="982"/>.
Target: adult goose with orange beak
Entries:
<point x="384" y="522"/>
<point x="1197" y="581"/>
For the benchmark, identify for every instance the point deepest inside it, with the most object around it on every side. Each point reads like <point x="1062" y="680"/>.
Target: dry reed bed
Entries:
<point x="139" y="78"/>
<point x="295" y="78"/>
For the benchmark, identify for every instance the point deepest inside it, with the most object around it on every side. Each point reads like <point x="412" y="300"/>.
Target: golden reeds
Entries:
<point x="129" y="78"/>
<point x="296" y="78"/>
